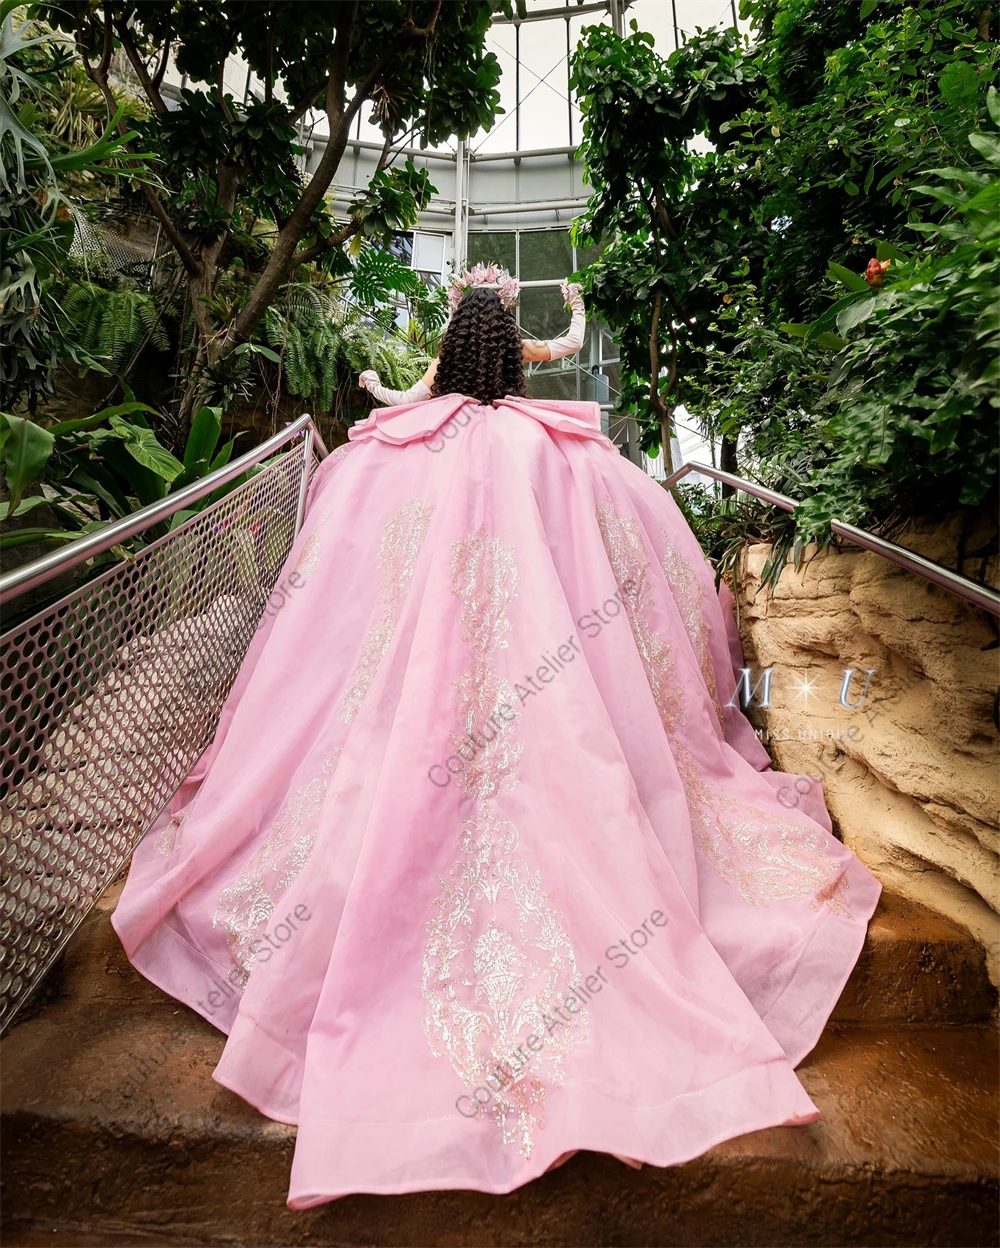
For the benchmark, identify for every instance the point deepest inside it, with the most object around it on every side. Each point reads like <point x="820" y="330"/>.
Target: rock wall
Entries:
<point x="908" y="757"/>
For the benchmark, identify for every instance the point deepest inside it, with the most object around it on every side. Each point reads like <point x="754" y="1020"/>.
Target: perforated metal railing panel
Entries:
<point x="108" y="698"/>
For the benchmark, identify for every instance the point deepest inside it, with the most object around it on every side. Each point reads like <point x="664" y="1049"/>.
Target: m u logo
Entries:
<point x="746" y="692"/>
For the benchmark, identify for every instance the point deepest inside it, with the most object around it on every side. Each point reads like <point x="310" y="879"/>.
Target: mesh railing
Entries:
<point x="115" y="246"/>
<point x="108" y="698"/>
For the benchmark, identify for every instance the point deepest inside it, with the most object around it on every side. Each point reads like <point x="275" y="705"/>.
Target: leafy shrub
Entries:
<point x="913" y="386"/>
<point x="112" y="326"/>
<point x="854" y="148"/>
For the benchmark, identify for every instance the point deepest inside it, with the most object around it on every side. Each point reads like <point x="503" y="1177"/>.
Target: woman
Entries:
<point x="483" y="349"/>
<point x="484" y="864"/>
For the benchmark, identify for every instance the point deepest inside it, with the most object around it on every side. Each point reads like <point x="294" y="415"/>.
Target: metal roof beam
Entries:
<point x="544" y="15"/>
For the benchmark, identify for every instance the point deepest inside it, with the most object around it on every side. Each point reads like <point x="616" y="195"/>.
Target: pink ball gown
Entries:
<point x="481" y="867"/>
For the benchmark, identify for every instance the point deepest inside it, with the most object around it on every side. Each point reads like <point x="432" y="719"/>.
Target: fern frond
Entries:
<point x="152" y="324"/>
<point x="274" y="328"/>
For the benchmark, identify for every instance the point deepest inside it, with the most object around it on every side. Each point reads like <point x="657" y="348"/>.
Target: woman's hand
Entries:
<point x="572" y="339"/>
<point x="368" y="379"/>
<point x="572" y="292"/>
<point x="533" y="351"/>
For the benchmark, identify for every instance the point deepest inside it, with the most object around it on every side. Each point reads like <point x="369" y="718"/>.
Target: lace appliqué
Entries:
<point x="247" y="904"/>
<point x="483" y="700"/>
<point x="766" y="859"/>
<point x="689" y="596"/>
<point x="308" y="558"/>
<point x="170" y="836"/>
<point x="401" y="542"/>
<point x="497" y="953"/>
<point x="630" y="562"/>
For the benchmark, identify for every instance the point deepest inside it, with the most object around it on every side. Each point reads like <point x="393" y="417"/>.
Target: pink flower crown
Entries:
<point x="492" y="275"/>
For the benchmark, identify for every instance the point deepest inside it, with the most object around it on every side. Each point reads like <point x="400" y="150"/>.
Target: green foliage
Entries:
<point x="308" y="343"/>
<point x="225" y="166"/>
<point x="850" y="112"/>
<point x="751" y="378"/>
<point x="94" y="468"/>
<point x="669" y="224"/>
<point x="725" y="526"/>
<point x="36" y="213"/>
<point x="914" y="387"/>
<point x="26" y="449"/>
<point x="428" y="314"/>
<point x="379" y="274"/>
<point x="371" y="343"/>
<point x="392" y="201"/>
<point x="112" y="326"/>
<point x="844" y="134"/>
<point x="322" y="343"/>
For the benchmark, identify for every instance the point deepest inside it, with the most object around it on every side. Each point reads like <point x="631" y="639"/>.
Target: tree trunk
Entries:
<point x="663" y="413"/>
<point x="282" y="257"/>
<point x="666" y="431"/>
<point x="194" y="393"/>
<point x="201" y="289"/>
<point x="216" y="343"/>
<point x="728" y="463"/>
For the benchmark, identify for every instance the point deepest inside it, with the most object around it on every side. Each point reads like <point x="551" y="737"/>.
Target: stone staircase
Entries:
<point x="114" y="1132"/>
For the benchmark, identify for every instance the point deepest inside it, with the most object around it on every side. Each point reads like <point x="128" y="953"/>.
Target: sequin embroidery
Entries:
<point x="627" y="553"/>
<point x="308" y="558"/>
<point x="498" y="957"/>
<point x="251" y="899"/>
<point x="690" y="599"/>
<point x="764" y="858"/>
<point x="401" y="541"/>
<point x="170" y="836"/>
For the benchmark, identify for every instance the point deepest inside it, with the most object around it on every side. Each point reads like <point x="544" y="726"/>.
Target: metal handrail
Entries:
<point x="112" y="693"/>
<point x="76" y="552"/>
<point x="981" y="595"/>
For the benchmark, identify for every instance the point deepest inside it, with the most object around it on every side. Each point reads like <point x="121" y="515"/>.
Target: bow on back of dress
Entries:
<point x="411" y="422"/>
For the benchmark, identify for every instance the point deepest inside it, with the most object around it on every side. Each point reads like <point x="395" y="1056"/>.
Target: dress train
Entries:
<point x="481" y="867"/>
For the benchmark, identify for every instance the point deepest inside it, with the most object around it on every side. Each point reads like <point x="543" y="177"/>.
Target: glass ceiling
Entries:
<point x="534" y="58"/>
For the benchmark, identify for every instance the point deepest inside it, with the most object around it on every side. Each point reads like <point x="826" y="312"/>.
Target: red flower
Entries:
<point x="875" y="271"/>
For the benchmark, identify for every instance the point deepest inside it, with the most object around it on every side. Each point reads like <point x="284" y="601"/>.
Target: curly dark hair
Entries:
<point x="481" y="350"/>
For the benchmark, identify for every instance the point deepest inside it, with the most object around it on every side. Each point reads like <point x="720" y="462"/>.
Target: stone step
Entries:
<point x="113" y="1127"/>
<point x="114" y="1132"/>
<point x="916" y="967"/>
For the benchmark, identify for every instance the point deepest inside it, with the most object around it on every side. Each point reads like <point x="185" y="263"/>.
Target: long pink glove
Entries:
<point x="369" y="380"/>
<point x="572" y="339"/>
